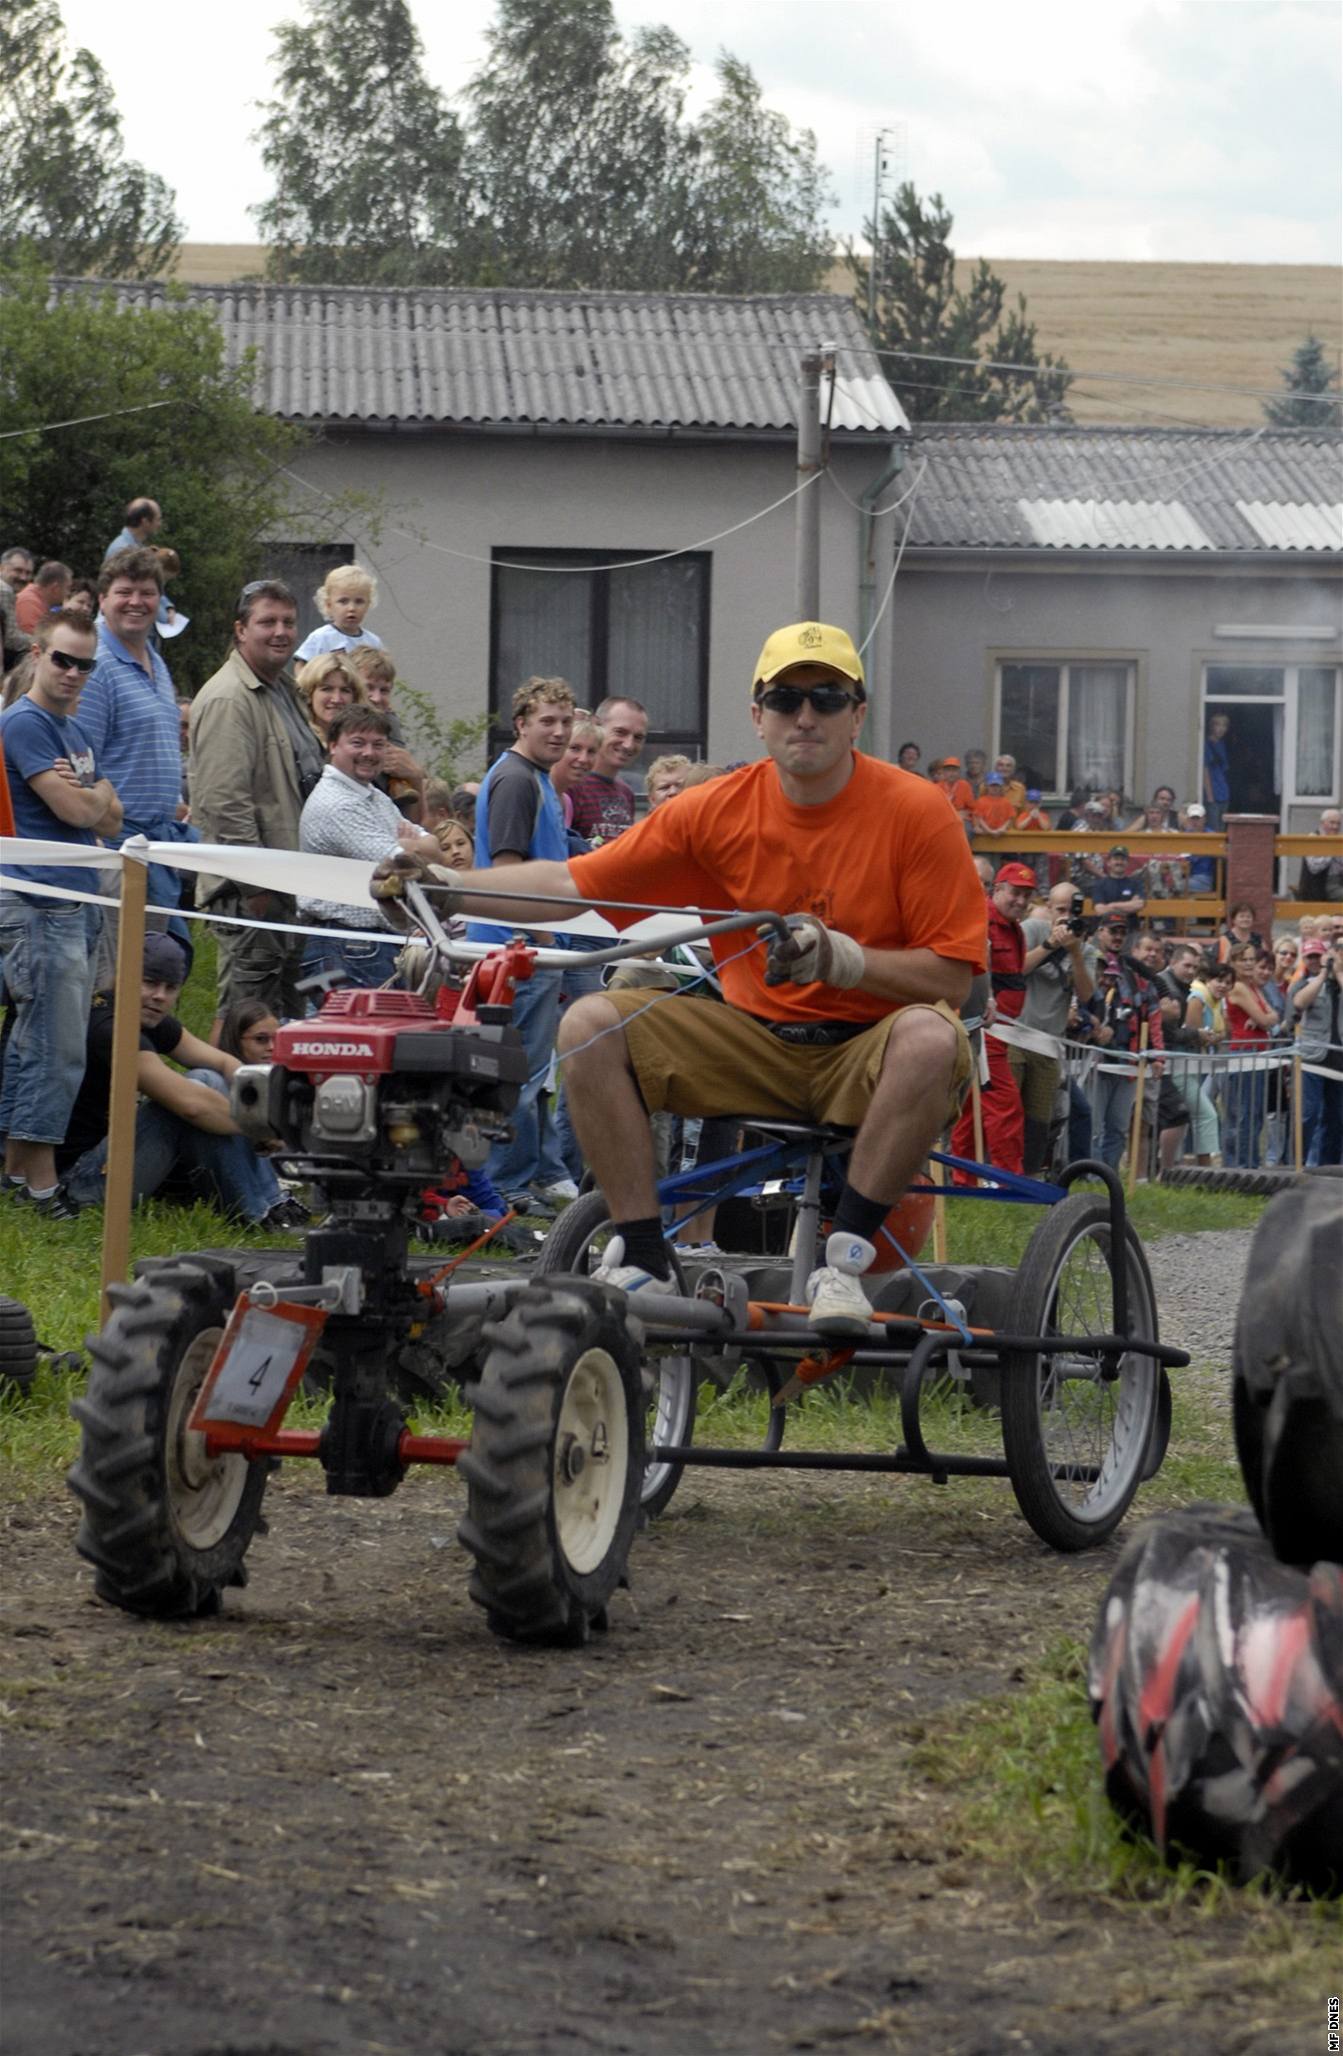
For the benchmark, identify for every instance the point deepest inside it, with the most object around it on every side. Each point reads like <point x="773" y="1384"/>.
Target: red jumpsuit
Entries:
<point x="1000" y="1101"/>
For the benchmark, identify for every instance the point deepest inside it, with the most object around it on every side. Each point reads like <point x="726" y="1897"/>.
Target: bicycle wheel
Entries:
<point x="1078" y="1437"/>
<point x="574" y="1247"/>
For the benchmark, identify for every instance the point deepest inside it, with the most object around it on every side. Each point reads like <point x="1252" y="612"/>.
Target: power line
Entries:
<point x="564" y="570"/>
<point x="1047" y="371"/>
<point x="79" y="420"/>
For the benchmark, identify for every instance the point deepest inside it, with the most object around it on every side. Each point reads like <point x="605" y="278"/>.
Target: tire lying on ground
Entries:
<point x="1216" y="1681"/>
<point x="1274" y="1178"/>
<point x="1287" y="1396"/>
<point x="18" y="1346"/>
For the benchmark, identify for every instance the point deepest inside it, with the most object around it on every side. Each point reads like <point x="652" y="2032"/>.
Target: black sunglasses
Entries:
<point x="83" y="665"/>
<point x="825" y="699"/>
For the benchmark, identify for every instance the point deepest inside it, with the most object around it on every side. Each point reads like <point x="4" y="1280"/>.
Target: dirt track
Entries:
<point x="344" y="1818"/>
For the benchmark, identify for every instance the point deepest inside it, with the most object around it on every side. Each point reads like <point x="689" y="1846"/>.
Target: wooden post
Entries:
<point x="1135" y="1125"/>
<point x="119" y="1190"/>
<point x="939" y="1177"/>
<point x="1298" y="1125"/>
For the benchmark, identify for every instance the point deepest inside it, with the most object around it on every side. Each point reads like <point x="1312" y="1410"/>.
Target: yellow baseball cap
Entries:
<point x="810" y="642"/>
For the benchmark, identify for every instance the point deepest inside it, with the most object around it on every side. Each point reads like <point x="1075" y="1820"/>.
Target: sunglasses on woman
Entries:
<point x="825" y="699"/>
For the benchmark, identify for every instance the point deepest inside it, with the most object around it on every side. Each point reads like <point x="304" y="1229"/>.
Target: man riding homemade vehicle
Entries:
<point x="857" y="1026"/>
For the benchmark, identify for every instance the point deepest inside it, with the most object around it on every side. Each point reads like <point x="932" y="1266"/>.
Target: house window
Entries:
<point x="642" y="629"/>
<point x="303" y="568"/>
<point x="1067" y="724"/>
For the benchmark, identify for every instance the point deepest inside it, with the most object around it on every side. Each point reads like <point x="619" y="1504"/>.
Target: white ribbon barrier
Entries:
<point x="344" y="881"/>
<point x="1093" y="1057"/>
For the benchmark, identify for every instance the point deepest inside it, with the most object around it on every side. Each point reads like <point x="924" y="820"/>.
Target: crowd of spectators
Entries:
<point x="297" y="747"/>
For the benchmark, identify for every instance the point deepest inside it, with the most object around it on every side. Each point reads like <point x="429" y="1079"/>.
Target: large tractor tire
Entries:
<point x="165" y="1527"/>
<point x="574" y="1248"/>
<point x="556" y="1456"/>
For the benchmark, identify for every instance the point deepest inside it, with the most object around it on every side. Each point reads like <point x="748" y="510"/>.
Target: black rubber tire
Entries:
<point x="558" y="1411"/>
<point x="1271" y="1178"/>
<point x="18" y="1346"/>
<point x="1060" y="1417"/>
<point x="570" y="1250"/>
<point x="165" y="1530"/>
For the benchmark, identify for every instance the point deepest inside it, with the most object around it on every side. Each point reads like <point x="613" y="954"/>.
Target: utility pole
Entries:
<point x="808" y="503"/>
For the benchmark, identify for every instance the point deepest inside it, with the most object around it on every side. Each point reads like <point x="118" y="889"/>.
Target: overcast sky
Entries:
<point x="1159" y="129"/>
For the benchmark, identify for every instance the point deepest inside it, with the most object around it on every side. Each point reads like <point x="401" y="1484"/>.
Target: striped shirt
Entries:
<point x="343" y="817"/>
<point x="131" y="721"/>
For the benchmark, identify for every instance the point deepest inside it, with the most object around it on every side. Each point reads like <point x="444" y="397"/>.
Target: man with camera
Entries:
<point x="1125" y="1001"/>
<point x="1315" y="1001"/>
<point x="1059" y="966"/>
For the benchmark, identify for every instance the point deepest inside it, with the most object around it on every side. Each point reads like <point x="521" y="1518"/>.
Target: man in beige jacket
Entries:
<point x="254" y="760"/>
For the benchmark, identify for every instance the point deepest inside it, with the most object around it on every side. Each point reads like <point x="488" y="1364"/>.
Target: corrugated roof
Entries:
<point x="385" y="357"/>
<point x="1070" y="488"/>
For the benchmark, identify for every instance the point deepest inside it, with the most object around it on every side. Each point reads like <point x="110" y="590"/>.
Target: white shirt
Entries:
<point x="343" y="817"/>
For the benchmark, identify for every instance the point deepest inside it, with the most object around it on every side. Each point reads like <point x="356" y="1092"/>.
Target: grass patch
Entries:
<point x="984" y="1232"/>
<point x="1022" y="1775"/>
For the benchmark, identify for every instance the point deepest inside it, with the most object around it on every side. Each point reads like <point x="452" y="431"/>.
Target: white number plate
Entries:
<point x="260" y="1359"/>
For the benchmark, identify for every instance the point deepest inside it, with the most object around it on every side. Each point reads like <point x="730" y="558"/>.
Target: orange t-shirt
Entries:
<point x="885" y="861"/>
<point x="1032" y="817"/>
<point x="960" y="795"/>
<point x="994" y="810"/>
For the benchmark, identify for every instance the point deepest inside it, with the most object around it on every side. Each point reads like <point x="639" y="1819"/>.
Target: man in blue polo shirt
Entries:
<point x="518" y="816"/>
<point x="46" y="945"/>
<point x="131" y="718"/>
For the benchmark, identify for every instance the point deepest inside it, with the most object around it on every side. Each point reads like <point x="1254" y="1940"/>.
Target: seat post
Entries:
<point x="806" y="1223"/>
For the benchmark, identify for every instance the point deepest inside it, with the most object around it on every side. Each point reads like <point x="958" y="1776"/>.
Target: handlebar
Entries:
<point x="770" y="924"/>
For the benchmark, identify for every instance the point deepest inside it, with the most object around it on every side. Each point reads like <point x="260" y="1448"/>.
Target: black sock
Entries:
<point x="645" y="1245"/>
<point x="856" y="1214"/>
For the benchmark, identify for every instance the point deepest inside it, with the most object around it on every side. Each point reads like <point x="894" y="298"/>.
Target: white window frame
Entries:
<point x="1057" y="793"/>
<point x="1289" y="700"/>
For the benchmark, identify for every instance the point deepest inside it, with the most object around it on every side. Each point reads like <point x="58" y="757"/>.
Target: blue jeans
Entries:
<point x="222" y="1168"/>
<point x="578" y="978"/>
<point x="47" y="947"/>
<point x="1114" y="1094"/>
<point x="363" y="960"/>
<point x="532" y="1158"/>
<point x="1242" y="1118"/>
<point x="1322" y="1118"/>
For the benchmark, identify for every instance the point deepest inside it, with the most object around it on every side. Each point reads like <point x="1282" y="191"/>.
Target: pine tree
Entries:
<point x="1311" y="396"/>
<point x="918" y="311"/>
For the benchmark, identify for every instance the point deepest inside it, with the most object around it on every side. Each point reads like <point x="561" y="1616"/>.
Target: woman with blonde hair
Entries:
<point x="327" y="684"/>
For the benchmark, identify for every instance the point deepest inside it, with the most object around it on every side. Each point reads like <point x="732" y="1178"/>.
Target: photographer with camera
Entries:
<point x="1315" y="1000"/>
<point x="1059" y="967"/>
<point x="1125" y="998"/>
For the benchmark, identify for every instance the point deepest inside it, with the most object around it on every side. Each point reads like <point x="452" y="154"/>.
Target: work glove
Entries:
<point x="392" y="874"/>
<point x="812" y="954"/>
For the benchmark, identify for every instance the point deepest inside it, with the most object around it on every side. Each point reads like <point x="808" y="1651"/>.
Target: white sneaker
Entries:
<point x="631" y="1278"/>
<point x="563" y="1188"/>
<point x="839" y="1305"/>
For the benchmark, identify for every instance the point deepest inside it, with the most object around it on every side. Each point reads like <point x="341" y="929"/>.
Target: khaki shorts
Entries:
<point x="696" y="1056"/>
<point x="1037" y="1079"/>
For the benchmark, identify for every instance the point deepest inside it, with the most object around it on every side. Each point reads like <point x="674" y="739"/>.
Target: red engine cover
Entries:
<point x="355" y="1031"/>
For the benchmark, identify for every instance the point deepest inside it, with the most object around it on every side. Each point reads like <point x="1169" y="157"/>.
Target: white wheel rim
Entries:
<point x="1089" y="1424"/>
<point x="591" y="1460"/>
<point x="204" y="1492"/>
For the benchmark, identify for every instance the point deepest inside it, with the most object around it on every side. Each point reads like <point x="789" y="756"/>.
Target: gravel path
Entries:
<point x="1198" y="1281"/>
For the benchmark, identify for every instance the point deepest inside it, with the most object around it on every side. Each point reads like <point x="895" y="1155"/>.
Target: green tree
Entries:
<point x="206" y="454"/>
<point x="365" y="152"/>
<point x="758" y="196"/>
<point x="1310" y="398"/>
<point x="917" y="306"/>
<point x="66" y="188"/>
